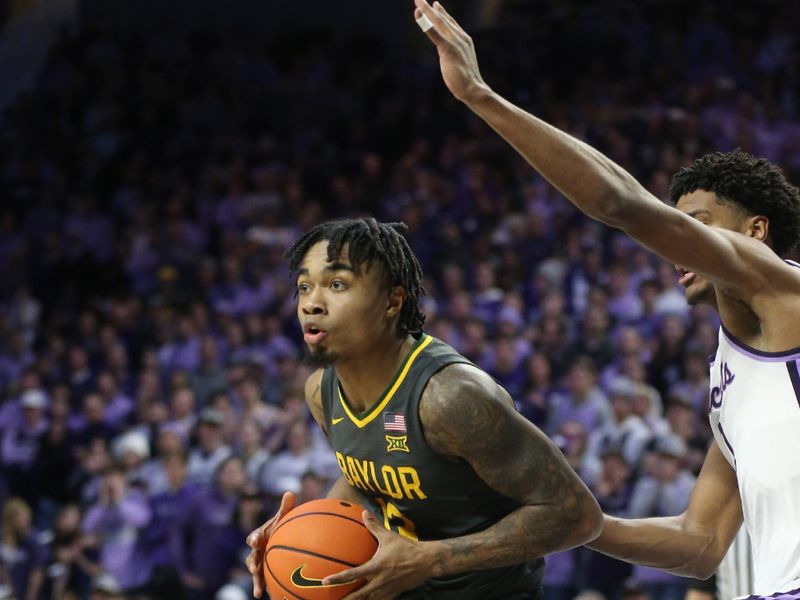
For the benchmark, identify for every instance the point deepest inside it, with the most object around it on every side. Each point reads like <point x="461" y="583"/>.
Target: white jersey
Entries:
<point x="755" y="416"/>
<point x="735" y="572"/>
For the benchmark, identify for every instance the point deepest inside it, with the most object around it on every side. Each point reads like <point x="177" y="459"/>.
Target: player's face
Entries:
<point x="706" y="207"/>
<point x="341" y="310"/>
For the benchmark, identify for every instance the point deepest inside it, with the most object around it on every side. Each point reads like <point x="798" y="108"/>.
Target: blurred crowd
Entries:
<point x="151" y="376"/>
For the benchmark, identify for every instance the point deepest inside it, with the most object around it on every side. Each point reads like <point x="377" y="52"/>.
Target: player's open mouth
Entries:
<point x="312" y="334"/>
<point x="685" y="278"/>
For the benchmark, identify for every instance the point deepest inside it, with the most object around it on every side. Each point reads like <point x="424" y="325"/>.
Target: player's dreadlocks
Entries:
<point x="369" y="241"/>
<point x="755" y="184"/>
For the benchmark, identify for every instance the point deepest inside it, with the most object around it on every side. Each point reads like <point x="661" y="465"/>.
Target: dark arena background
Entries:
<point x="158" y="158"/>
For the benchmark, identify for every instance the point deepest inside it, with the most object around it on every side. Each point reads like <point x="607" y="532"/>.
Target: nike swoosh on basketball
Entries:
<point x="335" y="421"/>
<point x="302" y="581"/>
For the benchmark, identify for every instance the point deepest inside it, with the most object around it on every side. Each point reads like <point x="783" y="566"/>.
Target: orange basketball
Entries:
<point x="316" y="539"/>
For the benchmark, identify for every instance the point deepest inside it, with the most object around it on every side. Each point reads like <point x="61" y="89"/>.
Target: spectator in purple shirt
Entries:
<point x="212" y="450"/>
<point x="582" y="401"/>
<point x="207" y="540"/>
<point x="116" y="521"/>
<point x="182" y="352"/>
<point x="167" y="508"/>
<point x="119" y="405"/>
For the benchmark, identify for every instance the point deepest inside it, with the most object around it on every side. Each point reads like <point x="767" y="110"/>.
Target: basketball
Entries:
<point x="316" y="539"/>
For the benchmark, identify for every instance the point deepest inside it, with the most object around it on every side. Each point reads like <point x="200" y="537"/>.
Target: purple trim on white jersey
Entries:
<point x="793" y="366"/>
<point x="755" y="354"/>
<point x="791" y="262"/>
<point x="727" y="443"/>
<point x="790" y="595"/>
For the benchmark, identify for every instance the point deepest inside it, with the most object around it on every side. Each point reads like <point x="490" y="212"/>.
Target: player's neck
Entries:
<point x="365" y="377"/>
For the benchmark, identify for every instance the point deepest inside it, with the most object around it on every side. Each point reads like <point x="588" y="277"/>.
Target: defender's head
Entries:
<point x="357" y="281"/>
<point x="739" y="192"/>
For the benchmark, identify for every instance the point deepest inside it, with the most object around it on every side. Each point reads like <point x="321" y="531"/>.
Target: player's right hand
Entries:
<point x="257" y="540"/>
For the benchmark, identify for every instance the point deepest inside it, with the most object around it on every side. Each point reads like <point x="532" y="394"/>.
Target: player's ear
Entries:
<point x="395" y="300"/>
<point x="757" y="227"/>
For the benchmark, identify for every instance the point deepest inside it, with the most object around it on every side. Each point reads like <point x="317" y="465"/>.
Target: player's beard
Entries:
<point x="320" y="359"/>
<point x="702" y="292"/>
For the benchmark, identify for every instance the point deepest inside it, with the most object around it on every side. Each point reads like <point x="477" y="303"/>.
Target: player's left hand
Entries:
<point x="398" y="565"/>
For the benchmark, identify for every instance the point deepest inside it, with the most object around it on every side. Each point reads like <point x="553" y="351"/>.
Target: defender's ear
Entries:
<point x="757" y="227"/>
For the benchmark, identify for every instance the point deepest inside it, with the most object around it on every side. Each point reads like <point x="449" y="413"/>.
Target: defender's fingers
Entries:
<point x="442" y="11"/>
<point x="427" y="27"/>
<point x="432" y="23"/>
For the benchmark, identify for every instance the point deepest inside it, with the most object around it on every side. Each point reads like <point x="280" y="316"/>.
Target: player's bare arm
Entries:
<point x="601" y="188"/>
<point x="467" y="416"/>
<point x="691" y="544"/>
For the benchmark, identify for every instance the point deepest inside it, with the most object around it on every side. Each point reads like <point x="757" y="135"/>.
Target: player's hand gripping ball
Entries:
<point x="314" y="540"/>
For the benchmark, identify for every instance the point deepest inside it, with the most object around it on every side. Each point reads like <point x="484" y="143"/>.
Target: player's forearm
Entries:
<point x="663" y="543"/>
<point x="593" y="182"/>
<point x="527" y="533"/>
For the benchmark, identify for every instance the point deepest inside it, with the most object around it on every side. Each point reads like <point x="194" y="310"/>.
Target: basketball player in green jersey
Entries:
<point x="464" y="495"/>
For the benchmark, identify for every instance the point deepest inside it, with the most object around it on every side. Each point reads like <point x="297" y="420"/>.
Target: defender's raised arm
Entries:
<point x="596" y="184"/>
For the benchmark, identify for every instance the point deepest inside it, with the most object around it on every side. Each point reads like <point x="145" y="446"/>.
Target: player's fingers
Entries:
<point x="349" y="575"/>
<point x="254" y="540"/>
<point x="446" y="16"/>
<point x="432" y="23"/>
<point x="375" y="528"/>
<point x="428" y="29"/>
<point x="258" y="586"/>
<point x="258" y="537"/>
<point x="253" y="562"/>
<point x="287" y="503"/>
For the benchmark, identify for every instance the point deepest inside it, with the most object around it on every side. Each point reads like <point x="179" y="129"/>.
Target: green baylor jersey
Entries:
<point x="415" y="492"/>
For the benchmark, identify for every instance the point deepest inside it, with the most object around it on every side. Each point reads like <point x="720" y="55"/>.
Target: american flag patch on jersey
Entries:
<point x="394" y="422"/>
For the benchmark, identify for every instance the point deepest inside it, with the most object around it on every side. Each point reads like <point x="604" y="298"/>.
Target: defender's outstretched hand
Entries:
<point x="456" y="51"/>
<point x="257" y="540"/>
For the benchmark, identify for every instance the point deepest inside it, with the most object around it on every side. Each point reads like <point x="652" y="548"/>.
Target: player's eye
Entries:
<point x="338" y="285"/>
<point x="302" y="288"/>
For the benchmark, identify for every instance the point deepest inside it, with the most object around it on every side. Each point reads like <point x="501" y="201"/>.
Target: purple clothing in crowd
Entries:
<point x="119" y="528"/>
<point x="206" y="541"/>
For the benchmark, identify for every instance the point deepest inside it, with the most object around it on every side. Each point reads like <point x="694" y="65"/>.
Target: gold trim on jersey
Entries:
<point x="376" y="410"/>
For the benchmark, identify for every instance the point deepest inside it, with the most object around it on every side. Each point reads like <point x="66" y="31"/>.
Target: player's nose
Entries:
<point x="313" y="304"/>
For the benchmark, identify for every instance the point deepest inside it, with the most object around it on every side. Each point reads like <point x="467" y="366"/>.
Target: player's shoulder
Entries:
<point x="458" y="403"/>
<point x="461" y="378"/>
<point x="460" y="387"/>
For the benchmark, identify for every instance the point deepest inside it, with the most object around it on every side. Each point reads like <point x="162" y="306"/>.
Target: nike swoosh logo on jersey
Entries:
<point x="335" y="421"/>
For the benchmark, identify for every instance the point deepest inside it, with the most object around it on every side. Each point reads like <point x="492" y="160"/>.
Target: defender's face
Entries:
<point x="341" y="310"/>
<point x="707" y="208"/>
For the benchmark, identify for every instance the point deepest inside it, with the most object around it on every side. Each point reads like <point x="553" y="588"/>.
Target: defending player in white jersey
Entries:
<point x="735" y="216"/>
